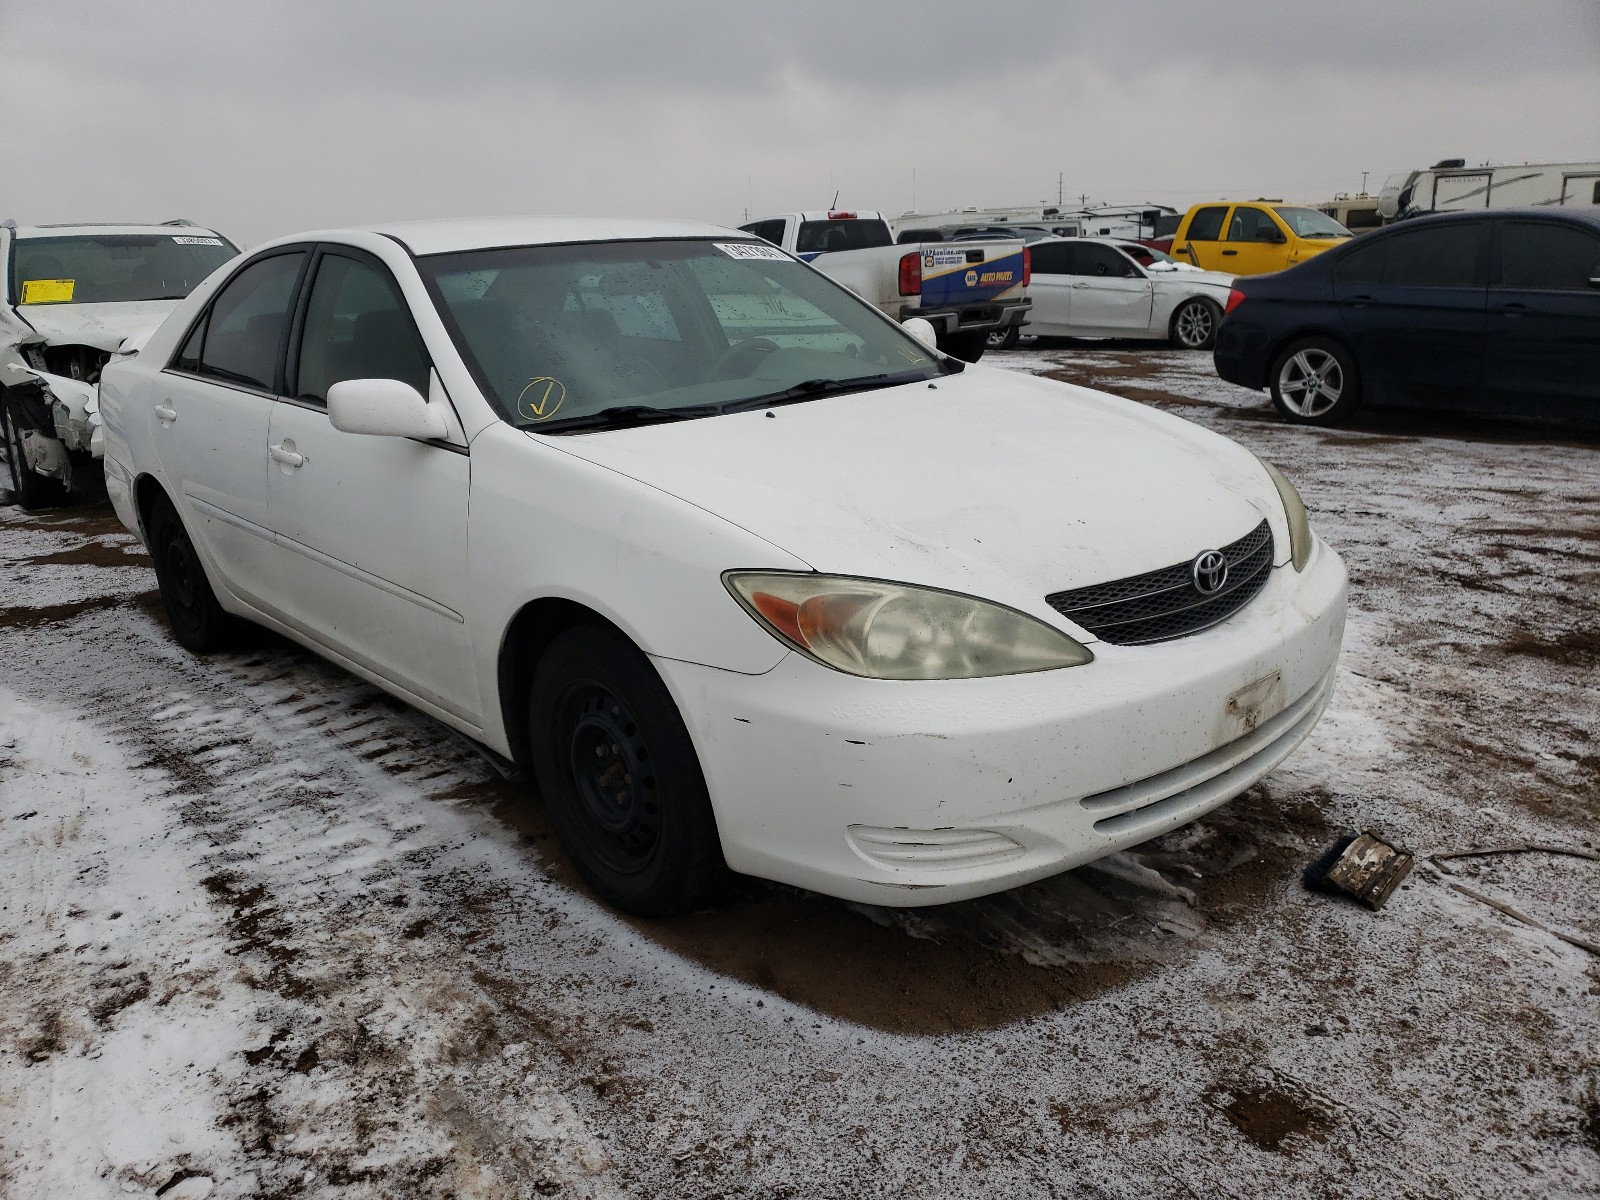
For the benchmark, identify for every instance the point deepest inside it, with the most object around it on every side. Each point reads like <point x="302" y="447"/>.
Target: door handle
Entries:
<point x="283" y="454"/>
<point x="166" y="413"/>
<point x="1230" y="252"/>
<point x="1513" y="310"/>
<point x="1360" y="301"/>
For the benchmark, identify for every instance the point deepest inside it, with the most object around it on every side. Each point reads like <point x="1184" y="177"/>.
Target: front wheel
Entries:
<point x="1315" y="382"/>
<point x="620" y="779"/>
<point x="1194" y="324"/>
<point x="968" y="347"/>
<point x="198" y="622"/>
<point x="32" y="490"/>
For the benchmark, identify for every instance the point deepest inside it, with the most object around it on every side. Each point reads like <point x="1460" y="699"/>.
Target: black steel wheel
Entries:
<point x="31" y="490"/>
<point x="619" y="775"/>
<point x="1194" y="323"/>
<point x="198" y="622"/>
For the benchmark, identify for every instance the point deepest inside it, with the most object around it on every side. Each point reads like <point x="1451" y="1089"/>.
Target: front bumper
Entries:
<point x="919" y="793"/>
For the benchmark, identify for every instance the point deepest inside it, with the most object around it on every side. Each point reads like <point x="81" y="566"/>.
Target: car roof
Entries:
<point x="448" y="235"/>
<point x="1585" y="216"/>
<point x="98" y="230"/>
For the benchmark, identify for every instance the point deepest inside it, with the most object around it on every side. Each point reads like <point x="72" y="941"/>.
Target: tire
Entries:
<point x="1315" y="382"/>
<point x="620" y="779"/>
<point x="1003" y="339"/>
<point x="968" y="347"/>
<point x="31" y="490"/>
<point x="198" y="621"/>
<point x="1194" y="324"/>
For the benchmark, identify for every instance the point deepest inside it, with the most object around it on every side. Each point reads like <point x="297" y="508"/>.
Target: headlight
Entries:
<point x="1295" y="509"/>
<point x="891" y="631"/>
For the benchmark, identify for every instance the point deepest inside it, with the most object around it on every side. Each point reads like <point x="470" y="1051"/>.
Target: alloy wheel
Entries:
<point x="1311" y="382"/>
<point x="1195" y="325"/>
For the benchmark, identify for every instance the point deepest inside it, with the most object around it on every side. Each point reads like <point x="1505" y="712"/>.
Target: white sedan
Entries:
<point x="744" y="574"/>
<point x="1110" y="287"/>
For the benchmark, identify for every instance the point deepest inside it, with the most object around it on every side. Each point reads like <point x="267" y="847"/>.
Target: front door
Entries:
<point x="1110" y="294"/>
<point x="1255" y="244"/>
<point x="1413" y="301"/>
<point x="1544" y="323"/>
<point x="372" y="530"/>
<point x="213" y="405"/>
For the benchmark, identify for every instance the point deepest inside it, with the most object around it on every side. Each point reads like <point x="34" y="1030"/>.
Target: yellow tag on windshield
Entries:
<point x="47" y="291"/>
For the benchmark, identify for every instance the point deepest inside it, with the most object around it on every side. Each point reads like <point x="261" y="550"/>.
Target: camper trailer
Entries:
<point x="1452" y="186"/>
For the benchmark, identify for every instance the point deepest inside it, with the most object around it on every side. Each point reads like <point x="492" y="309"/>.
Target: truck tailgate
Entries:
<point x="961" y="273"/>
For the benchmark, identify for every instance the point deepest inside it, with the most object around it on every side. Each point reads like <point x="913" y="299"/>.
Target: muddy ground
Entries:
<point x="266" y="932"/>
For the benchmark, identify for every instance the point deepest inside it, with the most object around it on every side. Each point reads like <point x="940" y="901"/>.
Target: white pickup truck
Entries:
<point x="967" y="289"/>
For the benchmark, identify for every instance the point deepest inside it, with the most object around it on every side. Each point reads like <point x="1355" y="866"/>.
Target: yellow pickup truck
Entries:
<point x="1254" y="237"/>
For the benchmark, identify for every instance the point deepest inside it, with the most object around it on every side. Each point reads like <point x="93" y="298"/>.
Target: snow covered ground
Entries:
<point x="266" y="932"/>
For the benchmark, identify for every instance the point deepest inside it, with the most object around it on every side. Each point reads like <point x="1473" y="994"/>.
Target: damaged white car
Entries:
<point x="75" y="295"/>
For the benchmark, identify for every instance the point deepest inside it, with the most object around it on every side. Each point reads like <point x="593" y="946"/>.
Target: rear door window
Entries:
<point x="767" y="231"/>
<point x="1544" y="256"/>
<point x="1207" y="224"/>
<point x="245" y="331"/>
<point x="1052" y="259"/>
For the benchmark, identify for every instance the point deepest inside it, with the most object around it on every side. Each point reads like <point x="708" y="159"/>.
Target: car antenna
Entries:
<point x="834" y="207"/>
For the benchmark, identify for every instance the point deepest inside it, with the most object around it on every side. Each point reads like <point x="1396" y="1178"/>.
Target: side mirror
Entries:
<point x="922" y="329"/>
<point x="384" y="407"/>
<point x="1275" y="236"/>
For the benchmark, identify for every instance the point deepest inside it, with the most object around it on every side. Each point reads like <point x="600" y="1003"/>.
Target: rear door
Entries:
<point x="213" y="407"/>
<point x="1110" y="294"/>
<point x="1544" y="322"/>
<point x="372" y="530"/>
<point x="1051" y="289"/>
<point x="1201" y="243"/>
<point x="1413" y="302"/>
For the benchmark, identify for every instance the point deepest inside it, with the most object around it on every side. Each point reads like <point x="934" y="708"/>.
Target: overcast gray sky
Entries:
<point x="264" y="118"/>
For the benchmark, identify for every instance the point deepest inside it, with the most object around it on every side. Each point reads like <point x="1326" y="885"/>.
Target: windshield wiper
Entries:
<point x="812" y="389"/>
<point x="624" y="416"/>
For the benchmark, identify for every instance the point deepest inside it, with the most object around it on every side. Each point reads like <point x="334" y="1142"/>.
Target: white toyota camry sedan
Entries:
<point x="742" y="573"/>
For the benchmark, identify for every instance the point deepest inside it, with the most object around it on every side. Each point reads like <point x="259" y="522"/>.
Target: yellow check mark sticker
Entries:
<point x="541" y="399"/>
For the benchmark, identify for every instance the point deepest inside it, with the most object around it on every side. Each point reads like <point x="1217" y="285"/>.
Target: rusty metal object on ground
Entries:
<point x="1369" y="869"/>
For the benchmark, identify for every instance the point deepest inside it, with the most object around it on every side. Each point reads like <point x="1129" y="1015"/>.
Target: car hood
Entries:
<point x="989" y="482"/>
<point x="103" y="326"/>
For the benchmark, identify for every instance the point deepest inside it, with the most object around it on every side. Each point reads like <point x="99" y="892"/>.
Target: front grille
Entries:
<point x="1166" y="604"/>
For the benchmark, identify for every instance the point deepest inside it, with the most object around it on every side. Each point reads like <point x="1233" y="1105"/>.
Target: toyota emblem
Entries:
<point x="1210" y="572"/>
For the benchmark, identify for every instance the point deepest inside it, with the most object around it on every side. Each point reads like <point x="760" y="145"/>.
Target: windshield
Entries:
<point x="1309" y="223"/>
<point x="557" y="334"/>
<point x="114" y="268"/>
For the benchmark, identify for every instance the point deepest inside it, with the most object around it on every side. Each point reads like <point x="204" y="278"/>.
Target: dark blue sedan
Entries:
<point x="1483" y="313"/>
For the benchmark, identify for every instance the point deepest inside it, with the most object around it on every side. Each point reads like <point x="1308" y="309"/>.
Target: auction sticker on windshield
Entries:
<point x="749" y="250"/>
<point x="198" y="241"/>
<point x="47" y="291"/>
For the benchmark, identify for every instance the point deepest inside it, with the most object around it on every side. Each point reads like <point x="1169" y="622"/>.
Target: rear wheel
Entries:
<point x="968" y="347"/>
<point x="619" y="775"/>
<point x="1194" y="324"/>
<point x="32" y="490"/>
<point x="198" y="621"/>
<point x="1315" y="382"/>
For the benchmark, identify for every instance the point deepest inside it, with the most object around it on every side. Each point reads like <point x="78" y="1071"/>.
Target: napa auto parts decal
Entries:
<point x="947" y="276"/>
